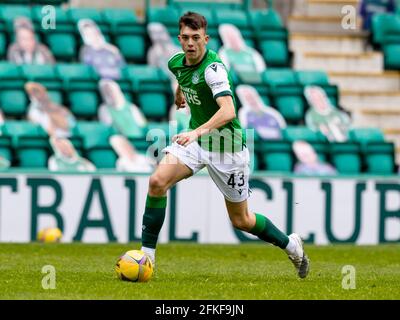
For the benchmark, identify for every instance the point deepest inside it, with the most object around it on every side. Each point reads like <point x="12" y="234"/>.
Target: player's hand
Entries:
<point x="185" y="138"/>
<point x="180" y="101"/>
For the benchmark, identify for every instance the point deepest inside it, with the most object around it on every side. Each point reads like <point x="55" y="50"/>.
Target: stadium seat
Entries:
<point x="90" y="13"/>
<point x="276" y="156"/>
<point x="239" y="19"/>
<point x="96" y="143"/>
<point x="13" y="100"/>
<point x="391" y="56"/>
<point x="152" y="89"/>
<point x="63" y="20"/>
<point x="63" y="46"/>
<point x="122" y="21"/>
<point x="275" y="53"/>
<point x="286" y="93"/>
<point x="5" y="148"/>
<point x="13" y="103"/>
<point x="3" y="45"/>
<point x="378" y="154"/>
<point x="30" y="143"/>
<point x="346" y="157"/>
<point x="80" y="82"/>
<point x="132" y="47"/>
<point x="267" y="24"/>
<point x="168" y="16"/>
<point x="62" y="39"/>
<point x="128" y="34"/>
<point x="316" y="139"/>
<point x="44" y="74"/>
<point x="385" y="29"/>
<point x="9" y="12"/>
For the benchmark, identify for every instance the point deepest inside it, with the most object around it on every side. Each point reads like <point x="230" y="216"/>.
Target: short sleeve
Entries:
<point x="217" y="79"/>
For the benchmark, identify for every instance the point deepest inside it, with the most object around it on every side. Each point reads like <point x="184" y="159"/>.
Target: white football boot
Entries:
<point x="299" y="258"/>
<point x="151" y="253"/>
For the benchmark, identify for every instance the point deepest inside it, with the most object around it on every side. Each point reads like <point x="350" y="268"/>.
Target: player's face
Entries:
<point x="193" y="43"/>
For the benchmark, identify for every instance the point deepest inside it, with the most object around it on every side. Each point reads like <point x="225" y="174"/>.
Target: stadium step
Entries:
<point x="328" y="8"/>
<point x="362" y="62"/>
<point x="298" y="23"/>
<point x="372" y="118"/>
<point x="355" y="81"/>
<point x="328" y="43"/>
<point x="356" y="100"/>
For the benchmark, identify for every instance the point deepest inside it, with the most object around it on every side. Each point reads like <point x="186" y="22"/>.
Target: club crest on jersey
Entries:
<point x="195" y="78"/>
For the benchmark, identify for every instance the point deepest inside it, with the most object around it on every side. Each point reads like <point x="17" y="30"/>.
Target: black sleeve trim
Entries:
<point x="223" y="93"/>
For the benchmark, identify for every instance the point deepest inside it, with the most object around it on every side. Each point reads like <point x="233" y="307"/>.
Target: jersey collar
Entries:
<point x="197" y="64"/>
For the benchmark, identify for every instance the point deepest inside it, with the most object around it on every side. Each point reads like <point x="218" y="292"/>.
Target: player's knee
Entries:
<point x="157" y="185"/>
<point x="241" y="223"/>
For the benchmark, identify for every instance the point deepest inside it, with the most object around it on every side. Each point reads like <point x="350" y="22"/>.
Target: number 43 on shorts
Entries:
<point x="236" y="179"/>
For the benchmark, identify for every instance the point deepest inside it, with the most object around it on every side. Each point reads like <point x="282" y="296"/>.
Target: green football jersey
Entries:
<point x="201" y="84"/>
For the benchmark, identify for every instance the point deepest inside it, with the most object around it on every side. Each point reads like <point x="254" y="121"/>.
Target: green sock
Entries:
<point x="266" y="230"/>
<point x="153" y="220"/>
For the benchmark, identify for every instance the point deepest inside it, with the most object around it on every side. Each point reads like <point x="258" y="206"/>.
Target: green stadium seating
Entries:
<point x="316" y="139"/>
<point x="3" y="45"/>
<point x="168" y="16"/>
<point x="217" y="5"/>
<point x="89" y="13"/>
<point x="9" y="12"/>
<point x="275" y="53"/>
<point x="63" y="46"/>
<point x="294" y="133"/>
<point x="391" y="56"/>
<point x="385" y="28"/>
<point x="239" y="19"/>
<point x="152" y="88"/>
<point x="13" y="103"/>
<point x="80" y="83"/>
<point x="5" y="148"/>
<point x="286" y="92"/>
<point x="320" y="79"/>
<point x="346" y="157"/>
<point x="44" y="74"/>
<point x="30" y="143"/>
<point x="132" y="47"/>
<point x="13" y="100"/>
<point x="377" y="153"/>
<point x="122" y="21"/>
<point x="96" y="143"/>
<point x="267" y="24"/>
<point x="128" y="33"/>
<point x="276" y="156"/>
<point x="64" y="23"/>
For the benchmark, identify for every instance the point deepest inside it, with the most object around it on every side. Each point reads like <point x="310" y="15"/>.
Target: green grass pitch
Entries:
<point x="194" y="271"/>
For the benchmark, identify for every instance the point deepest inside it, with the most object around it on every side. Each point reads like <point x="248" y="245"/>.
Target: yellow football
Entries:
<point x="48" y="235"/>
<point x="134" y="266"/>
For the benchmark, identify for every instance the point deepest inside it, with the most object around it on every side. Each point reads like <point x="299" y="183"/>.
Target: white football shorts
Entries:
<point x="230" y="171"/>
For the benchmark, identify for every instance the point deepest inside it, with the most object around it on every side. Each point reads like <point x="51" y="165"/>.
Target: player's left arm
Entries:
<point x="217" y="79"/>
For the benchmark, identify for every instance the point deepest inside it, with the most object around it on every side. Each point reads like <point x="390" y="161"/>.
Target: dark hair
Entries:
<point x="193" y="20"/>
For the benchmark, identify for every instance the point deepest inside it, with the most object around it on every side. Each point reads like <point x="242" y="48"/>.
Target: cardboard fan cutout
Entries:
<point x="123" y="115"/>
<point x="255" y="114"/>
<point x="308" y="161"/>
<point x="247" y="63"/>
<point x="324" y="117"/>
